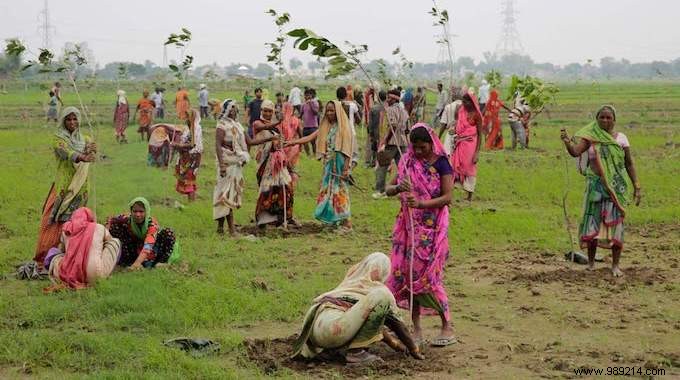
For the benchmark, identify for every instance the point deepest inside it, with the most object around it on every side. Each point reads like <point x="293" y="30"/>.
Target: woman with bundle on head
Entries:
<point x="87" y="253"/>
<point x="70" y="189"/>
<point x="334" y="146"/>
<point x="121" y="116"/>
<point x="360" y="311"/>
<point x="420" y="245"/>
<point x="605" y="161"/>
<point x="190" y="147"/>
<point x="143" y="242"/>
<point x="231" y="149"/>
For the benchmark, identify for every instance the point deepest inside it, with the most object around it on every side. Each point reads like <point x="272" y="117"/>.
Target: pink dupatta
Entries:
<point x="80" y="231"/>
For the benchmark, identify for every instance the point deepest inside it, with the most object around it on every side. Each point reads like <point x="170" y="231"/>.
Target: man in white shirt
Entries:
<point x="295" y="98"/>
<point x="157" y="99"/>
<point x="203" y="101"/>
<point x="442" y="100"/>
<point x="483" y="94"/>
<point x="449" y="119"/>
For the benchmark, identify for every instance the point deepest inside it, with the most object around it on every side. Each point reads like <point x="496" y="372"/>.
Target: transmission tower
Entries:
<point x="509" y="43"/>
<point x="45" y="28"/>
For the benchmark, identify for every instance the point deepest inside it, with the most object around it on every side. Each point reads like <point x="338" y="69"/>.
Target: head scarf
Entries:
<point x="227" y="105"/>
<point x="606" y="107"/>
<point x="343" y="137"/>
<point x="75" y="139"/>
<point x="121" y="97"/>
<point x="137" y="230"/>
<point x="202" y="86"/>
<point x="609" y="158"/>
<point x="266" y="105"/>
<point x="289" y="128"/>
<point x="359" y="280"/>
<point x="80" y="232"/>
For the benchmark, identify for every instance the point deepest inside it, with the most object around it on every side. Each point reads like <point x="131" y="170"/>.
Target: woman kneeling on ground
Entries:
<point x="87" y="252"/>
<point x="143" y="242"/>
<point x="357" y="313"/>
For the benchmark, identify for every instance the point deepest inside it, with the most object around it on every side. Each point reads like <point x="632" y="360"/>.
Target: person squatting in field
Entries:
<point x="87" y="252"/>
<point x="607" y="161"/>
<point x="360" y="311"/>
<point x="143" y="242"/>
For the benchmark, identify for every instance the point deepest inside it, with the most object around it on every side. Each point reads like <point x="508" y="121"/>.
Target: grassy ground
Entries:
<point x="519" y="308"/>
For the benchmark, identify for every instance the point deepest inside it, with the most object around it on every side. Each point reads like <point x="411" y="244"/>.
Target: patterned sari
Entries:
<point x="70" y="189"/>
<point x="121" y="117"/>
<point x="429" y="233"/>
<point x="334" y="145"/>
<point x="275" y="182"/>
<point x="606" y="189"/>
<point x="189" y="158"/>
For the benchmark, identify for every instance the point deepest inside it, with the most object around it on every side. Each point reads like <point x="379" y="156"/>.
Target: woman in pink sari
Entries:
<point x="424" y="182"/>
<point x="467" y="140"/>
<point x="88" y="252"/>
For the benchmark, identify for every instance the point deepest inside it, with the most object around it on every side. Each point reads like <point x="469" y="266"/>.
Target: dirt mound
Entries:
<point x="302" y="229"/>
<point x="270" y="355"/>
<point x="632" y="276"/>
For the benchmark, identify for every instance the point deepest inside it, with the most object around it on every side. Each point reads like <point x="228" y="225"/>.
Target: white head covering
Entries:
<point x="370" y="272"/>
<point x="121" y="97"/>
<point x="202" y="86"/>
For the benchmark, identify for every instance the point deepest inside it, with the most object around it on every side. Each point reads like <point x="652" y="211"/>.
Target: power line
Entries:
<point x="509" y="42"/>
<point x="45" y="28"/>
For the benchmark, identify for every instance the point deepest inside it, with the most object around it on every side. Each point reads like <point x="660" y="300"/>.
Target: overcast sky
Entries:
<point x="235" y="31"/>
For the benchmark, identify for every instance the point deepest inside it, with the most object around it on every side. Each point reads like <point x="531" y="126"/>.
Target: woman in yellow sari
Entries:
<point x="70" y="189"/>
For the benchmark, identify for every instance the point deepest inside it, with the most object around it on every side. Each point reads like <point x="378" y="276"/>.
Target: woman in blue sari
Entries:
<point x="334" y="147"/>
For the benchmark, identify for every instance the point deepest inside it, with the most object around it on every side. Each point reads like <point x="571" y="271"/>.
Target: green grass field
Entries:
<point x="505" y="247"/>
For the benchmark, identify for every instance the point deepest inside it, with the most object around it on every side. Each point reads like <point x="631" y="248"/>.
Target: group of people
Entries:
<point x="76" y="251"/>
<point x="72" y="248"/>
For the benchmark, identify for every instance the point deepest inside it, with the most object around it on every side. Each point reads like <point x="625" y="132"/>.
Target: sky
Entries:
<point x="554" y="31"/>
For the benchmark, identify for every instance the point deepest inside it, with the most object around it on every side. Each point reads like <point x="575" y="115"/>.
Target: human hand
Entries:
<point x="91" y="147"/>
<point x="404" y="185"/>
<point x="563" y="135"/>
<point x="417" y="354"/>
<point x="135" y="267"/>
<point x="412" y="201"/>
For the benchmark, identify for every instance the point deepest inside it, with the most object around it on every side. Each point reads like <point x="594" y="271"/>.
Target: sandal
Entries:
<point x="443" y="341"/>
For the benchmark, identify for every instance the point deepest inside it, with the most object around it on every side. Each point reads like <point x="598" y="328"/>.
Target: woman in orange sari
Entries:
<point x="494" y="139"/>
<point x="182" y="103"/>
<point x="145" y="106"/>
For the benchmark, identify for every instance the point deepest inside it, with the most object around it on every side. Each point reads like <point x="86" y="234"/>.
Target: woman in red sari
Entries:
<point x="121" y="116"/>
<point x="468" y="139"/>
<point x="494" y="140"/>
<point x="290" y="130"/>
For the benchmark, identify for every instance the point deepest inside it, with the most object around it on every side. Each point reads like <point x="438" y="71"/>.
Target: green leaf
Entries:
<point x="332" y="52"/>
<point x="305" y="44"/>
<point x="337" y="60"/>
<point x="297" y="33"/>
<point x="173" y="67"/>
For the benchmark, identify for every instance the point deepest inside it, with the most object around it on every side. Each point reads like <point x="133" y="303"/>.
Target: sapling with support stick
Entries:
<point x="441" y="18"/>
<point x="342" y="63"/>
<point x="73" y="58"/>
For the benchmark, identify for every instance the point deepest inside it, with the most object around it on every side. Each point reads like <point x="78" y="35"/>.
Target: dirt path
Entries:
<point x="532" y="314"/>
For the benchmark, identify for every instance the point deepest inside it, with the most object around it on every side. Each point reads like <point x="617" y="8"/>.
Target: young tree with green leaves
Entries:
<point x="276" y="48"/>
<point x="181" y="41"/>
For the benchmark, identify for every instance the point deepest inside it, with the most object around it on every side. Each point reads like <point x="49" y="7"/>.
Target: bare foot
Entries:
<point x="220" y="231"/>
<point x="616" y="272"/>
<point x="591" y="266"/>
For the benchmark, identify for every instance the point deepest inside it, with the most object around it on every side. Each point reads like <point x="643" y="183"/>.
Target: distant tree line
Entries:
<point x="606" y="68"/>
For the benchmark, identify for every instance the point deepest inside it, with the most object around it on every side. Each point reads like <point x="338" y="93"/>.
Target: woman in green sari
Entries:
<point x="609" y="161"/>
<point x="357" y="313"/>
<point x="69" y="191"/>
